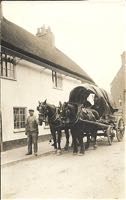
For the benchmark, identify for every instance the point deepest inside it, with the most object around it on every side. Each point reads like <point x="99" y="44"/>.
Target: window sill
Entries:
<point x="4" y="77"/>
<point x="21" y="130"/>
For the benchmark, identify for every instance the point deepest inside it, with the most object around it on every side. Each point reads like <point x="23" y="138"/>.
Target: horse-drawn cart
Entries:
<point x="110" y="122"/>
<point x="106" y="129"/>
<point x="83" y="118"/>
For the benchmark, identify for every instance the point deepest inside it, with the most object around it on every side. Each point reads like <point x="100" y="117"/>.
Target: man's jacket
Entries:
<point x="31" y="125"/>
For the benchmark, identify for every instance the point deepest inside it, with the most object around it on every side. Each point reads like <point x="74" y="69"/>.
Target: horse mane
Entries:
<point x="50" y="105"/>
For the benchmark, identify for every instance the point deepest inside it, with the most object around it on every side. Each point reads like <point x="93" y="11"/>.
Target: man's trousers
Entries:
<point x="32" y="138"/>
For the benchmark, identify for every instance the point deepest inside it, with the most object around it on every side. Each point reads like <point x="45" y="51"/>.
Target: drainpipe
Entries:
<point x="124" y="105"/>
<point x="1" y="139"/>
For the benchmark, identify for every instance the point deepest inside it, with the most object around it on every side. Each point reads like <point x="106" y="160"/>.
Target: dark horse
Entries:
<point x="77" y="116"/>
<point x="51" y="114"/>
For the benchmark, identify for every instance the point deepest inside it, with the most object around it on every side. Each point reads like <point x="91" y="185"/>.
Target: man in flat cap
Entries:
<point x="32" y="132"/>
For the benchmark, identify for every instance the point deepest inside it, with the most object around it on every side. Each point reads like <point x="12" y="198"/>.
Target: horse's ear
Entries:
<point x="39" y="102"/>
<point x="45" y="101"/>
<point x="60" y="103"/>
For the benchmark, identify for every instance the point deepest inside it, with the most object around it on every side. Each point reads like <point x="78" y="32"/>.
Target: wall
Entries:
<point x="117" y="87"/>
<point x="118" y="90"/>
<point x="33" y="83"/>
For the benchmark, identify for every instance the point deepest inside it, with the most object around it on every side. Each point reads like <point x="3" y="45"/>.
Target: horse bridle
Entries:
<point x="50" y="119"/>
<point x="41" y="113"/>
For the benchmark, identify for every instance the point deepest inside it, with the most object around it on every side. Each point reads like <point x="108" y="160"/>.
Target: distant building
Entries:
<point x="118" y="87"/>
<point x="32" y="70"/>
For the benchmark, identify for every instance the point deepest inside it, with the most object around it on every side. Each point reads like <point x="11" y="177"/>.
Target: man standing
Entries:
<point x="32" y="132"/>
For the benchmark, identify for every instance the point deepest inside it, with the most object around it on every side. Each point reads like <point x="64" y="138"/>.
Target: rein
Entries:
<point x="53" y="117"/>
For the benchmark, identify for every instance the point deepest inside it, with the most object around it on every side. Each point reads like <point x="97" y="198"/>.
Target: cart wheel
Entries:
<point x="120" y="129"/>
<point x="110" y="135"/>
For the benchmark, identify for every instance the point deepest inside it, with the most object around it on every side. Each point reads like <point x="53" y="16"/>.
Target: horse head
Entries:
<point x="69" y="111"/>
<point x="43" y="111"/>
<point x="47" y="112"/>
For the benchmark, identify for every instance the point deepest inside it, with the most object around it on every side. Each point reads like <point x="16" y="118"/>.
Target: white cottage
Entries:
<point x="32" y="69"/>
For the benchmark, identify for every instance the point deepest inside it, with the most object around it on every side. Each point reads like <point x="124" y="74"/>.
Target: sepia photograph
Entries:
<point x="63" y="99"/>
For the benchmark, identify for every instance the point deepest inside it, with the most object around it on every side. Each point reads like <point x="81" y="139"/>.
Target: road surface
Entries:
<point x="99" y="174"/>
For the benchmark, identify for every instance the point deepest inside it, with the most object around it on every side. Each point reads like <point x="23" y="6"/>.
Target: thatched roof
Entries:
<point x="18" y="39"/>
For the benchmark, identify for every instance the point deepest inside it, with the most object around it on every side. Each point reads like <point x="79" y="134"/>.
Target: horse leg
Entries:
<point x="54" y="139"/>
<point x="95" y="139"/>
<point x="72" y="143"/>
<point x="59" y="134"/>
<point x="74" y="138"/>
<point x="88" y="141"/>
<point x="67" y="139"/>
<point x="82" y="145"/>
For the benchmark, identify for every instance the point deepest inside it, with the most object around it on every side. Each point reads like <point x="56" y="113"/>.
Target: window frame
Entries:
<point x="57" y="80"/>
<point x="19" y="128"/>
<point x="8" y="64"/>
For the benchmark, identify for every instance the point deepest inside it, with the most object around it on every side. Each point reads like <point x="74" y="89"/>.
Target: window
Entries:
<point x="57" y="80"/>
<point x="7" y="66"/>
<point x="19" y="117"/>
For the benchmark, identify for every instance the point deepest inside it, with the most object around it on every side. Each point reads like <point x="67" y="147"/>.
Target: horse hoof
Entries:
<point x="55" y="151"/>
<point x="65" y="148"/>
<point x="87" y="144"/>
<point x="74" y="153"/>
<point x="80" y="154"/>
<point x="95" y="146"/>
<point x="58" y="152"/>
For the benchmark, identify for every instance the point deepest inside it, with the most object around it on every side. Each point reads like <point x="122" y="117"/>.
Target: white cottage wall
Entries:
<point x="32" y="83"/>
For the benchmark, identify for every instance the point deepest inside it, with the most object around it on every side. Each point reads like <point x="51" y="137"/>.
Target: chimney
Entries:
<point x="123" y="56"/>
<point x="46" y="35"/>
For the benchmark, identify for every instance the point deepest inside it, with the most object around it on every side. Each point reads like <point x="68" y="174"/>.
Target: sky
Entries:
<point x="90" y="32"/>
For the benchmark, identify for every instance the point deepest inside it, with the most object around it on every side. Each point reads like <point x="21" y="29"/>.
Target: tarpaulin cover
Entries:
<point x="104" y="102"/>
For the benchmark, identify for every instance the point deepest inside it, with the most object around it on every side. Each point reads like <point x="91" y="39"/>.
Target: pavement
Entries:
<point x="14" y="156"/>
